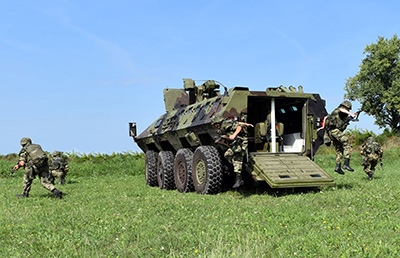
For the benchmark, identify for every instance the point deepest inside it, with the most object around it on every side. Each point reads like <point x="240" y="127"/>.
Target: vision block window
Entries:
<point x="159" y="123"/>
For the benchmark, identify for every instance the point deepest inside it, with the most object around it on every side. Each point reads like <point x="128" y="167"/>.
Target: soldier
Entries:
<point x="236" y="132"/>
<point x="58" y="167"/>
<point x="371" y="151"/>
<point x="35" y="162"/>
<point x="335" y="125"/>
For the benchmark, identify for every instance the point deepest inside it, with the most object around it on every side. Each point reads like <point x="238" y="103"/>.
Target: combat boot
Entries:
<point x="57" y="193"/>
<point x="22" y="195"/>
<point x="338" y="168"/>
<point x="370" y="175"/>
<point x="238" y="181"/>
<point x="346" y="165"/>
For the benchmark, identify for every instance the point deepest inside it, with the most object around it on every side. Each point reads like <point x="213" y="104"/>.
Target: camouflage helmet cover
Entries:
<point x="370" y="140"/>
<point x="346" y="104"/>
<point x="56" y="154"/>
<point x="217" y="120"/>
<point x="25" y="141"/>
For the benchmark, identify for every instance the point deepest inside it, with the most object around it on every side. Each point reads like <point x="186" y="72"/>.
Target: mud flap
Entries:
<point x="287" y="171"/>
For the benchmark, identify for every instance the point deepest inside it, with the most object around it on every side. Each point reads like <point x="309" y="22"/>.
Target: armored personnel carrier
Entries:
<point x="184" y="152"/>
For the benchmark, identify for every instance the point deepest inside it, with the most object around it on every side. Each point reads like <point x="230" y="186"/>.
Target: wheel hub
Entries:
<point x="201" y="171"/>
<point x="181" y="172"/>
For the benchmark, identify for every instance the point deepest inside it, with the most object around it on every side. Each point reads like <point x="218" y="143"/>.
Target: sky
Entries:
<point x="74" y="73"/>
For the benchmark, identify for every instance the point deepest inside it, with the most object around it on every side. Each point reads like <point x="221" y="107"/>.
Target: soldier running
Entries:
<point x="35" y="162"/>
<point x="371" y="152"/>
<point x="335" y="126"/>
<point x="58" y="167"/>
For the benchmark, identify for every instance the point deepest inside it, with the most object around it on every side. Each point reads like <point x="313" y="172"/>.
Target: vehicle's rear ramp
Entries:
<point x="284" y="170"/>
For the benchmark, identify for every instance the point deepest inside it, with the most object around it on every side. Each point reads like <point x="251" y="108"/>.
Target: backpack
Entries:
<point x="334" y="121"/>
<point x="373" y="148"/>
<point x="37" y="156"/>
<point x="227" y="125"/>
<point x="57" y="163"/>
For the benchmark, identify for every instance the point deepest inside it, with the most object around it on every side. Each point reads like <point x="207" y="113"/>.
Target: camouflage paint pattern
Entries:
<point x="190" y="125"/>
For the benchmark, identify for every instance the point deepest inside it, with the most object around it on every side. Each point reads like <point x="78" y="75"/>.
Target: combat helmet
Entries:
<point x="217" y="120"/>
<point x="346" y="104"/>
<point x="25" y="141"/>
<point x="56" y="154"/>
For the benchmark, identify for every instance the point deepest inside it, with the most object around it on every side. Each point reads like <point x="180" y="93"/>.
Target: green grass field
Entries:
<point x="108" y="211"/>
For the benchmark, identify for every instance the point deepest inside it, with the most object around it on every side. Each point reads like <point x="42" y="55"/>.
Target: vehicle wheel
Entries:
<point x="183" y="170"/>
<point x="151" y="168"/>
<point x="165" y="170"/>
<point x="207" y="170"/>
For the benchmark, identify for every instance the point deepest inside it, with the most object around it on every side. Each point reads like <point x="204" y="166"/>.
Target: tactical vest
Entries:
<point x="227" y="126"/>
<point x="57" y="163"/>
<point x="372" y="148"/>
<point x="336" y="120"/>
<point x="36" y="155"/>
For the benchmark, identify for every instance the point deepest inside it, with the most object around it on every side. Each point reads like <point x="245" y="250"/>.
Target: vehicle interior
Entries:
<point x="290" y="121"/>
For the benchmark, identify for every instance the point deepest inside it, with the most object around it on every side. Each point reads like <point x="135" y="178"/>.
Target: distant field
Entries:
<point x="108" y="211"/>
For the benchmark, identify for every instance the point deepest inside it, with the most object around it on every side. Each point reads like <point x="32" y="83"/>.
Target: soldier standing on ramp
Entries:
<point x="335" y="125"/>
<point x="371" y="151"/>
<point x="35" y="162"/>
<point x="236" y="132"/>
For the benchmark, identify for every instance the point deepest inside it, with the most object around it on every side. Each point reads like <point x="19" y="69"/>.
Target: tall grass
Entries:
<point x="108" y="211"/>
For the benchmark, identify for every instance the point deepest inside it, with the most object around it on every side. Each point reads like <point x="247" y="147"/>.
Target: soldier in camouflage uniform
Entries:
<point x="236" y="132"/>
<point x="35" y="162"/>
<point x="335" y="125"/>
<point x="371" y="152"/>
<point x="58" y="167"/>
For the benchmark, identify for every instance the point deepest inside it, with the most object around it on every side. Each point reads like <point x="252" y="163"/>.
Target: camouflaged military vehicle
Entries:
<point x="183" y="150"/>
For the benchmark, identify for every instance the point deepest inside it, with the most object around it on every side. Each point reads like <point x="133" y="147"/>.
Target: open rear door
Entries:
<point x="283" y="170"/>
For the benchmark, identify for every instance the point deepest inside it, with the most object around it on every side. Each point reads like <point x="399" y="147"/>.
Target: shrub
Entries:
<point x="359" y="136"/>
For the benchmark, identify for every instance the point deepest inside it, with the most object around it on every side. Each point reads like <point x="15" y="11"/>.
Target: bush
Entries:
<point x="359" y="136"/>
<point x="93" y="164"/>
<point x="100" y="157"/>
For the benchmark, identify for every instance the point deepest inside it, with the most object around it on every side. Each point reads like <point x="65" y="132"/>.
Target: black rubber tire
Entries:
<point x="165" y="170"/>
<point x="183" y="170"/>
<point x="207" y="170"/>
<point x="151" y="168"/>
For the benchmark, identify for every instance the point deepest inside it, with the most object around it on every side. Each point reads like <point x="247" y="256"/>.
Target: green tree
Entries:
<point x="377" y="85"/>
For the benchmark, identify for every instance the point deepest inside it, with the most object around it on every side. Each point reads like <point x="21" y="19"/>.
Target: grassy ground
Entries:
<point x="108" y="211"/>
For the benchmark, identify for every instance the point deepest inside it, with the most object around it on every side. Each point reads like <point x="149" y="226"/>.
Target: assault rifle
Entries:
<point x="12" y="171"/>
<point x="225" y="141"/>
<point x="351" y="119"/>
<point x="222" y="140"/>
<point x="381" y="164"/>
